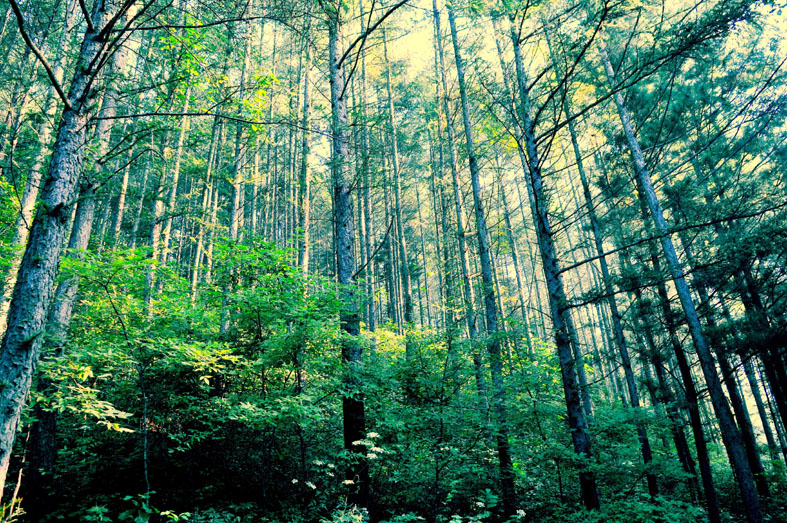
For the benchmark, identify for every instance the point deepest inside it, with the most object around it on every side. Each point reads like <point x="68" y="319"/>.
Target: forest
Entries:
<point x="391" y="261"/>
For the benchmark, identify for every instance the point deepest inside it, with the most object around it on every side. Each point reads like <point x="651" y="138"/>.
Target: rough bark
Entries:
<point x="30" y="194"/>
<point x="39" y="268"/>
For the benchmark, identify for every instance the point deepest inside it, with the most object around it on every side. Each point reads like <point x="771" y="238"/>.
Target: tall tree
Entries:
<point x="39" y="268"/>
<point x="507" y="477"/>
<point x="565" y="333"/>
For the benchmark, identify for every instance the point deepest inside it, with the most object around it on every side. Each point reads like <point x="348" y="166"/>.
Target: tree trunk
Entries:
<point x="30" y="194"/>
<point x="507" y="477"/>
<point x="754" y="385"/>
<point x="39" y="268"/>
<point x="304" y="194"/>
<point x="424" y="272"/>
<point x="199" y="250"/>
<point x="353" y="410"/>
<point x="733" y="392"/>
<point x="166" y="234"/>
<point x="557" y="297"/>
<point x="368" y="216"/>
<point x="461" y="234"/>
<point x="117" y="221"/>
<point x="609" y="291"/>
<point x="404" y="265"/>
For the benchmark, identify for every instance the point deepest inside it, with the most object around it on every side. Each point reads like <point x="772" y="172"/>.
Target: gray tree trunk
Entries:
<point x="39" y="268"/>
<point x="304" y="182"/>
<point x="404" y="265"/>
<point x="166" y="233"/>
<point x="30" y="194"/>
<point x="507" y="477"/>
<point x="609" y="291"/>
<point x="353" y="410"/>
<point x="461" y="234"/>
<point x="199" y="250"/>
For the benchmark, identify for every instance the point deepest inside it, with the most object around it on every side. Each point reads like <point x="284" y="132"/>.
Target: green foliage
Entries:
<point x="639" y="510"/>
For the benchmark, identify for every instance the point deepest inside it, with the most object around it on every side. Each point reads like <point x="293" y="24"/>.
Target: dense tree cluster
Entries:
<point x="393" y="261"/>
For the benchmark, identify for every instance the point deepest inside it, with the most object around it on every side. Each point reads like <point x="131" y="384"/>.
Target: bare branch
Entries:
<point x="673" y="231"/>
<point x="206" y="24"/>
<point x="236" y="119"/>
<point x="86" y="13"/>
<point x="49" y="72"/>
<point x="362" y="38"/>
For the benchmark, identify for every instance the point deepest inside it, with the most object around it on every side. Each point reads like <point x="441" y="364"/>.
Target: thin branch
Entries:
<point x="237" y="119"/>
<point x="207" y="24"/>
<point x="370" y="30"/>
<point x="88" y="20"/>
<point x="673" y="231"/>
<point x="374" y="254"/>
<point x="51" y="74"/>
<point x="360" y="51"/>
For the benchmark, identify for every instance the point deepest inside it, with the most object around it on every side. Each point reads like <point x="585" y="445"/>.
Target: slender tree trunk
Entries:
<point x="213" y="223"/>
<point x="754" y="385"/>
<point x="117" y="221"/>
<point x="12" y="123"/>
<point x="238" y="188"/>
<point x="493" y="344"/>
<point x="404" y="269"/>
<point x="155" y="240"/>
<point x="424" y="272"/>
<point x="772" y="364"/>
<point x="557" y="297"/>
<point x="141" y="204"/>
<point x="663" y="395"/>
<point x="609" y="291"/>
<point x="461" y="234"/>
<point x="353" y="410"/>
<point x="166" y="233"/>
<point x="304" y="195"/>
<point x="733" y="392"/>
<point x="205" y="207"/>
<point x="368" y="216"/>
<point x="520" y="284"/>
